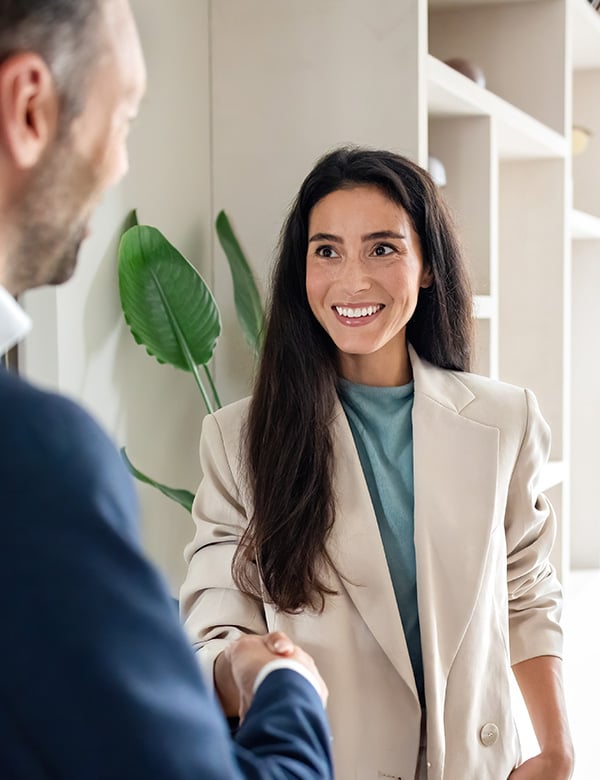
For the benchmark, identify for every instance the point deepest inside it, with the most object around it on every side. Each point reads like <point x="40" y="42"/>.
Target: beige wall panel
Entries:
<point x="290" y="81"/>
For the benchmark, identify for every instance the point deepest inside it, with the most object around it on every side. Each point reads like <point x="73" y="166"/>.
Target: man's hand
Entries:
<point x="247" y="656"/>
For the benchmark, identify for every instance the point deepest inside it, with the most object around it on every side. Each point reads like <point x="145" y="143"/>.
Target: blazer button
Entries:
<point x="489" y="734"/>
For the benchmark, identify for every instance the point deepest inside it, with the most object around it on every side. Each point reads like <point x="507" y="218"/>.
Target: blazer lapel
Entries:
<point x="357" y="551"/>
<point x="455" y="471"/>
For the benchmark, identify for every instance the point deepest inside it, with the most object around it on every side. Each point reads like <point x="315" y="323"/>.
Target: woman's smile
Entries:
<point x="357" y="315"/>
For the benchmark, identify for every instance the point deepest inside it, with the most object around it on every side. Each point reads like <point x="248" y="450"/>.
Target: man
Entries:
<point x="96" y="678"/>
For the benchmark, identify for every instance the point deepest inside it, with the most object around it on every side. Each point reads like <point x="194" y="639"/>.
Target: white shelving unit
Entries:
<point x="584" y="226"/>
<point x="586" y="35"/>
<point x="519" y="222"/>
<point x="553" y="474"/>
<point x="485" y="307"/>
<point x="450" y="94"/>
<point x="585" y="285"/>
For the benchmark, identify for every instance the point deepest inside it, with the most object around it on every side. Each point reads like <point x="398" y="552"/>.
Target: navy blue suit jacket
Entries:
<point x="97" y="681"/>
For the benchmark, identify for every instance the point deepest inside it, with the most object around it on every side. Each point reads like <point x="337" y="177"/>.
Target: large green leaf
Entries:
<point x="247" y="298"/>
<point x="166" y="303"/>
<point x="181" y="496"/>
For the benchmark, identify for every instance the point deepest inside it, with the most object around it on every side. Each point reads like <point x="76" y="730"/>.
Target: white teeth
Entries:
<point x="365" y="311"/>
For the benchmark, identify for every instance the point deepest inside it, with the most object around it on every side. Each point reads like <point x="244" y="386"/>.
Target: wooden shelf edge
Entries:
<point x="450" y="94"/>
<point x="553" y="474"/>
<point x="584" y="226"/>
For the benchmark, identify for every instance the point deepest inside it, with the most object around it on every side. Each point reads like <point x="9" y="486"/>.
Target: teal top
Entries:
<point x="380" y="419"/>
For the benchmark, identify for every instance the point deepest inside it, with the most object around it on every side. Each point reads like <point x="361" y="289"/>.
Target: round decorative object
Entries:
<point x="580" y="138"/>
<point x="468" y="69"/>
<point x="437" y="171"/>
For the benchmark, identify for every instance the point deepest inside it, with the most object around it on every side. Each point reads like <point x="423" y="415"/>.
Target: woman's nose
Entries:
<point x="354" y="276"/>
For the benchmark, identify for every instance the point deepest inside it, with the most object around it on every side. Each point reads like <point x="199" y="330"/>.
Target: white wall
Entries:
<point x="80" y="344"/>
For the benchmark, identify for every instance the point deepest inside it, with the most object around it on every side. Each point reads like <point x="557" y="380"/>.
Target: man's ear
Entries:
<point x="28" y="108"/>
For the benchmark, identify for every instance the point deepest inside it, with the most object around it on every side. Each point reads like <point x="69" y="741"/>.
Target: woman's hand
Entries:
<point x="236" y="668"/>
<point x="545" y="767"/>
<point x="249" y="654"/>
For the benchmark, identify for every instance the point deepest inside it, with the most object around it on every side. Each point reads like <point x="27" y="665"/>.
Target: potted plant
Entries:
<point x="172" y="312"/>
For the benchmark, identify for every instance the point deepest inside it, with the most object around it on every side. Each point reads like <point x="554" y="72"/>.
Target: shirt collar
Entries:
<point x="14" y="323"/>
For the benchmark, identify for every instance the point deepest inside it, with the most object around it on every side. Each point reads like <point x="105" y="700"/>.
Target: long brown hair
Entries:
<point x="288" y="446"/>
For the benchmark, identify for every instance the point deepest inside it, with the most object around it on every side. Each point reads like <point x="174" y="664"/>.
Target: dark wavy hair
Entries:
<point x="288" y="446"/>
<point x="63" y="33"/>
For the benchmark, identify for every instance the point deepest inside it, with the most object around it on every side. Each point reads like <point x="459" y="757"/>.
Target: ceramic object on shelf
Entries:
<point x="437" y="171"/>
<point x="580" y="139"/>
<point x="469" y="69"/>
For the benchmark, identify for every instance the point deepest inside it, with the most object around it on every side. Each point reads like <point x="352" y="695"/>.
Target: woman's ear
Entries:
<point x="28" y="108"/>
<point x="427" y="278"/>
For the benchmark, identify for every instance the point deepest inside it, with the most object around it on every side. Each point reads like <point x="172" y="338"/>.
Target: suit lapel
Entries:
<point x="455" y="465"/>
<point x="455" y="471"/>
<point x="357" y="551"/>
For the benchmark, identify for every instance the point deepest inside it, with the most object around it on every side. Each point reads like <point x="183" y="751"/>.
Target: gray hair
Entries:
<point x="61" y="32"/>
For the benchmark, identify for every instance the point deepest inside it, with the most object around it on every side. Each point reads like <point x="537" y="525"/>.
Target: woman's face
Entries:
<point x="364" y="269"/>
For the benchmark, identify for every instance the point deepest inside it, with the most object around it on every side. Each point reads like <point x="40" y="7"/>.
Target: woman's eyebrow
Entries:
<point x="326" y="237"/>
<point x="377" y="235"/>
<point x="382" y="234"/>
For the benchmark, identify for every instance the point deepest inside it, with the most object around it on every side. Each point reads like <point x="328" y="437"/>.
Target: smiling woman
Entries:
<point x="364" y="272"/>
<point x="379" y="503"/>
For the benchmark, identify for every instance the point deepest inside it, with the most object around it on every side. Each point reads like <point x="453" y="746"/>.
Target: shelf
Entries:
<point x="585" y="27"/>
<point x="584" y="226"/>
<point x="553" y="474"/>
<point x="484" y="306"/>
<point x="520" y="136"/>
<point x="459" y="3"/>
<point x="586" y="35"/>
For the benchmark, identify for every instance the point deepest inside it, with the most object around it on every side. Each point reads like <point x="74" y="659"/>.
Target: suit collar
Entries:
<point x="14" y="323"/>
<point x="438" y="384"/>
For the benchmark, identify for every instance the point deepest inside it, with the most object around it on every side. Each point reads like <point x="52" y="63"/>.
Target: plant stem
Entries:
<point x="212" y="387"/>
<point x="209" y="407"/>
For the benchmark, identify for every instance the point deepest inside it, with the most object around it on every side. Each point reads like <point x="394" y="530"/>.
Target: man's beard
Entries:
<point x="52" y="224"/>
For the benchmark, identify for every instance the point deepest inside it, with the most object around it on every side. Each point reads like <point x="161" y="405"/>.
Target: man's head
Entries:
<point x="71" y="79"/>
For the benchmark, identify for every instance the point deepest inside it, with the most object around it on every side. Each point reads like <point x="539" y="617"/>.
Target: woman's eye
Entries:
<point x="381" y="250"/>
<point x="327" y="251"/>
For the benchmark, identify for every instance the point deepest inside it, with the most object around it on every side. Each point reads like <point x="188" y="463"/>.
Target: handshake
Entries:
<point x="241" y="667"/>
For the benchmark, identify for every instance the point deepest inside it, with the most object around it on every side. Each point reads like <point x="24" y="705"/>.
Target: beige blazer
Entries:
<point x="488" y="597"/>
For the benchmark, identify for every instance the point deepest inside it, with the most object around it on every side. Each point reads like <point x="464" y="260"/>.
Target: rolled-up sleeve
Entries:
<point x="534" y="593"/>
<point x="214" y="610"/>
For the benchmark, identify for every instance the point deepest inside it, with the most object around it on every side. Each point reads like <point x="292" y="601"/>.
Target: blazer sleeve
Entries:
<point x="97" y="679"/>
<point x="284" y="700"/>
<point x="215" y="612"/>
<point x="534" y="593"/>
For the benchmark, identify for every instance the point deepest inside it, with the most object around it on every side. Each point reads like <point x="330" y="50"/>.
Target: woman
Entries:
<point x="377" y="503"/>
